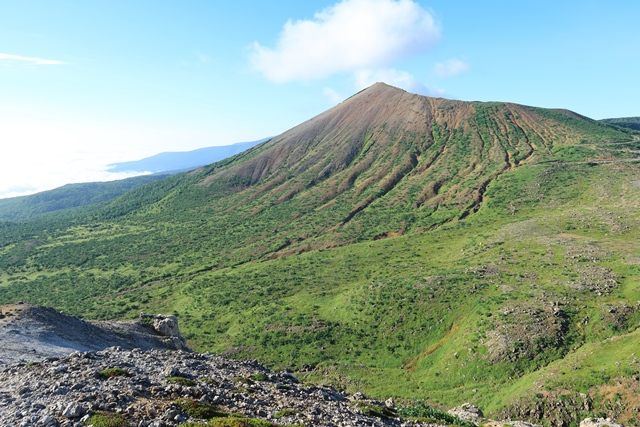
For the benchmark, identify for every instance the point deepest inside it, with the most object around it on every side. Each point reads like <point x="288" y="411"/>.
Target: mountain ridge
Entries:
<point x="174" y="161"/>
<point x="68" y="197"/>
<point x="624" y="122"/>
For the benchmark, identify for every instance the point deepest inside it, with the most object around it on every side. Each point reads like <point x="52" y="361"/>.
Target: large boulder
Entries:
<point x="165" y="326"/>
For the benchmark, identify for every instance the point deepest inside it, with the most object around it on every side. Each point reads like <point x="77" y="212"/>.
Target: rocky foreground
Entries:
<point x="116" y="387"/>
<point x="53" y="385"/>
<point x="169" y="388"/>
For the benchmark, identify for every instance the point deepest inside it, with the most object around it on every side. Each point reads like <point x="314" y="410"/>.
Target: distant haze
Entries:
<point x="183" y="160"/>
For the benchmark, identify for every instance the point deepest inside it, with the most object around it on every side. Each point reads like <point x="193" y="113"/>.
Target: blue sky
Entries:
<point x="84" y="84"/>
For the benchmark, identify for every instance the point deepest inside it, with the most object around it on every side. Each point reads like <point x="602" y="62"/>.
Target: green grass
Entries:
<point x="233" y="422"/>
<point x="107" y="419"/>
<point x="259" y="377"/>
<point x="199" y="410"/>
<point x="184" y="381"/>
<point x="287" y="412"/>
<point x="113" y="372"/>
<point x="419" y="411"/>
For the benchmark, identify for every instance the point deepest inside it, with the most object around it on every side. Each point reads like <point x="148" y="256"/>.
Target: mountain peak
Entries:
<point x="379" y="87"/>
<point x="383" y="85"/>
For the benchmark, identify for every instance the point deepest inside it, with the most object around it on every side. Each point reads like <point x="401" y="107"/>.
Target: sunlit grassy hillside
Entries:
<point x="400" y="245"/>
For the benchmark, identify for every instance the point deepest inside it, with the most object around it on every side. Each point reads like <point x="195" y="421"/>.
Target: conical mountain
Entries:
<point x="381" y="163"/>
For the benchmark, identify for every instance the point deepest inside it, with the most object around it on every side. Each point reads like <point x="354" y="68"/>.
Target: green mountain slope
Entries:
<point x="624" y="122"/>
<point x="68" y="197"/>
<point x="402" y="245"/>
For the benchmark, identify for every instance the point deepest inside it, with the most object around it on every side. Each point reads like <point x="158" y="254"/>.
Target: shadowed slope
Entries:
<point x="624" y="122"/>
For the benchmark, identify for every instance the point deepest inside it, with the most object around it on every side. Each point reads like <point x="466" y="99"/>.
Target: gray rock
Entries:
<point x="48" y="421"/>
<point x="73" y="410"/>
<point x="167" y="326"/>
<point x="467" y="412"/>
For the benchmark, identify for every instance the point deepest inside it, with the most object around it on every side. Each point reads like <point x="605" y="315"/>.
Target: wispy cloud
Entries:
<point x="203" y="58"/>
<point x="391" y="76"/>
<point x="8" y="57"/>
<point x="349" y="36"/>
<point x="450" y="68"/>
<point x="332" y="95"/>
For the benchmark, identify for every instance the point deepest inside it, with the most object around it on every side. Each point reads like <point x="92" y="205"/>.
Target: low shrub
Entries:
<point x="196" y="409"/>
<point x="113" y="372"/>
<point x="106" y="419"/>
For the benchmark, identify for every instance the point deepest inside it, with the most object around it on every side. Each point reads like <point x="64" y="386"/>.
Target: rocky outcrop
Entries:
<point x="166" y="326"/>
<point x="468" y="412"/>
<point x="525" y="330"/>
<point x="32" y="333"/>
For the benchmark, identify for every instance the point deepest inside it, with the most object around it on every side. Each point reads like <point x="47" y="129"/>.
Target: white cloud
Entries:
<point x="346" y="37"/>
<point x="28" y="59"/>
<point x="450" y="68"/>
<point x="332" y="95"/>
<point x="393" y="77"/>
<point x="203" y="58"/>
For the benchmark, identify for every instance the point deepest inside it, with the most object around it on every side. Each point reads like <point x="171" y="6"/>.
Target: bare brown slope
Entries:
<point x="330" y="142"/>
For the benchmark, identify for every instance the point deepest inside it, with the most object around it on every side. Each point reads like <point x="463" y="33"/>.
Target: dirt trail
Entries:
<point x="411" y="364"/>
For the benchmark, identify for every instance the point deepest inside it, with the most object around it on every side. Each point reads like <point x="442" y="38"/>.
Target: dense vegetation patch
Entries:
<point x="419" y="411"/>
<point x="184" y="381"/>
<point x="107" y="419"/>
<point x="233" y="422"/>
<point x="113" y="372"/>
<point x="200" y="410"/>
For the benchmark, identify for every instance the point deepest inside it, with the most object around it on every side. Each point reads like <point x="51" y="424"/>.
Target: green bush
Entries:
<point x="196" y="409"/>
<point x="176" y="379"/>
<point x="107" y="419"/>
<point x="260" y="376"/>
<point x="240" y="422"/>
<point x="422" y="412"/>
<point x="113" y="372"/>
<point x="285" y="413"/>
<point x="233" y="422"/>
<point x="371" y="410"/>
